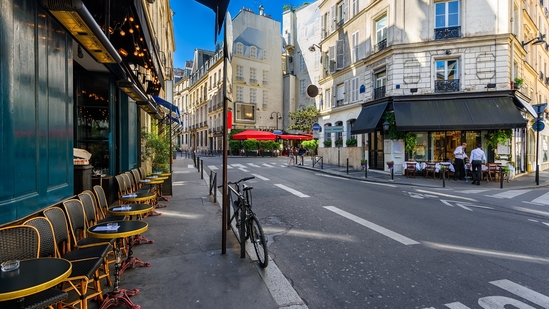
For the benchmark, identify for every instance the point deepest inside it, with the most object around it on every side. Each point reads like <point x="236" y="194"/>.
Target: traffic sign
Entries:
<point x="539" y="108"/>
<point x="316" y="126"/>
<point x="538" y="125"/>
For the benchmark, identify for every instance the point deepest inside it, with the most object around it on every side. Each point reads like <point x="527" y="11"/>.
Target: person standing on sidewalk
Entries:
<point x="301" y="152"/>
<point x="477" y="158"/>
<point x="460" y="156"/>
<point x="290" y="156"/>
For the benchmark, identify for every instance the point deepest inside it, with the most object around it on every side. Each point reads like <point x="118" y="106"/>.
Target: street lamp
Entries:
<point x="386" y="125"/>
<point x="278" y="117"/>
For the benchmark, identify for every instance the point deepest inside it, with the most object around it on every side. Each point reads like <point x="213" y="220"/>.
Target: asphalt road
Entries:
<point x="351" y="244"/>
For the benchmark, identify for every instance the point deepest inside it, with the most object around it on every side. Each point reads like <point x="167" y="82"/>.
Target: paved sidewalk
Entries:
<point x="188" y="269"/>
<point x="523" y="181"/>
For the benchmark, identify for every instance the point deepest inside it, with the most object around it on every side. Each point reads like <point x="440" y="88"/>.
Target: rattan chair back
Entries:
<point x="102" y="204"/>
<point x="19" y="242"/>
<point x="88" y="202"/>
<point x="58" y="221"/>
<point x="48" y="248"/>
<point x="142" y="172"/>
<point x="130" y="184"/>
<point x="77" y="220"/>
<point x="121" y="185"/>
<point x="136" y="178"/>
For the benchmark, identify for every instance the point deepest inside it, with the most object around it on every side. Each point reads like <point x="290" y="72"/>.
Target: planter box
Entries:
<point x="267" y="154"/>
<point x="251" y="153"/>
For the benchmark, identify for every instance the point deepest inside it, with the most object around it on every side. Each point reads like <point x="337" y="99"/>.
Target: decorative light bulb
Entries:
<point x="131" y="30"/>
<point x="131" y="18"/>
<point x="122" y="33"/>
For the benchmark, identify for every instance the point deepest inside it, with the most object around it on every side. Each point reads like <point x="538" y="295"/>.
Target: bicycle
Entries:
<point x="240" y="198"/>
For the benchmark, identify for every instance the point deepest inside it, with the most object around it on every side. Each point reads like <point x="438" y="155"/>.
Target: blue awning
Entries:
<point x="167" y="105"/>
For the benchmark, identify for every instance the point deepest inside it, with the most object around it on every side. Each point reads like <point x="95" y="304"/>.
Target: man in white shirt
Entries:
<point x="459" y="166"/>
<point x="477" y="157"/>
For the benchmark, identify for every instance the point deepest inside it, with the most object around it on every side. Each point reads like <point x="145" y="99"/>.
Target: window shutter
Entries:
<point x="332" y="18"/>
<point x="340" y="55"/>
<point x="347" y="92"/>
<point x="345" y="11"/>
<point x="322" y="31"/>
<point x="332" y="55"/>
<point x="334" y="96"/>
<point x="362" y="50"/>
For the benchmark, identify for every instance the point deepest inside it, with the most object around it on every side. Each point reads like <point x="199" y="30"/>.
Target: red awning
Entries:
<point x="296" y="137"/>
<point x="258" y="135"/>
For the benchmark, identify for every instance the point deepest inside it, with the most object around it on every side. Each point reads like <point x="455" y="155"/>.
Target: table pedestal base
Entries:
<point x="133" y="262"/>
<point x="115" y="298"/>
<point x="139" y="239"/>
<point x="152" y="213"/>
<point x="164" y="198"/>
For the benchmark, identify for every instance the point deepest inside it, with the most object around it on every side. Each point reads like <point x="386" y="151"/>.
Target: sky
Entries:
<point x="194" y="23"/>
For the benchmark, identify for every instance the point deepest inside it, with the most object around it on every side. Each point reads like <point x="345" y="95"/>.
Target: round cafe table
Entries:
<point x="160" y="176"/>
<point x="127" y="228"/>
<point x="132" y="210"/>
<point x="137" y="197"/>
<point x="33" y="276"/>
<point x="157" y="184"/>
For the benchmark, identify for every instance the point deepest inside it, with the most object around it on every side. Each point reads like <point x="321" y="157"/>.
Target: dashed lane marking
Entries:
<point x="292" y="191"/>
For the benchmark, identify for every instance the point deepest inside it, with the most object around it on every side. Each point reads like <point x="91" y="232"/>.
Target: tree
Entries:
<point x="304" y="119"/>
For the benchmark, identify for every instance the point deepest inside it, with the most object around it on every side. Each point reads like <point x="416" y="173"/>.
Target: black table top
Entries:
<point x="135" y="209"/>
<point x="33" y="276"/>
<point x="126" y="228"/>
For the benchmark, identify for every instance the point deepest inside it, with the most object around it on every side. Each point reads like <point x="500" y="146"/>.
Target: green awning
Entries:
<point x="368" y="119"/>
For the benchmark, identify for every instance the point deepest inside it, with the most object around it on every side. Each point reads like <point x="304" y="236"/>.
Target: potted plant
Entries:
<point x="251" y="146"/>
<point x="518" y="82"/>
<point x="339" y="143"/>
<point x="328" y="143"/>
<point x="351" y="142"/>
<point x="390" y="164"/>
<point x="363" y="162"/>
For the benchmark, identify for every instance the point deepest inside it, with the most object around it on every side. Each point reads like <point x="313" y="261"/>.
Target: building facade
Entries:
<point x="81" y="86"/>
<point x="442" y="70"/>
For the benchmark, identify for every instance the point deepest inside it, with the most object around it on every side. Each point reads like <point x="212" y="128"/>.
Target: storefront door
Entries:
<point x="375" y="153"/>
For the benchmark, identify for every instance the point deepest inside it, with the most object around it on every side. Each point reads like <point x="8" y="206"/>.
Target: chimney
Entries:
<point x="261" y="9"/>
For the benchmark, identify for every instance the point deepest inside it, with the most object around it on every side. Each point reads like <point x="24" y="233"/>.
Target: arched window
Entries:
<point x="239" y="48"/>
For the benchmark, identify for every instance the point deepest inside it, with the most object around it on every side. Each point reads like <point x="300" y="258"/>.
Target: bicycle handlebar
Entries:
<point x="237" y="182"/>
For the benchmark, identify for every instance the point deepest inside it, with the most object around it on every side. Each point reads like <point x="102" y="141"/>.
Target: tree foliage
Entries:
<point x="304" y="119"/>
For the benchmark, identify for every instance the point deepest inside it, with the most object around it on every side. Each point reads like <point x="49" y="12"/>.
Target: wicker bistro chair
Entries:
<point x="78" y="226"/>
<point x="410" y="169"/>
<point x="85" y="270"/>
<point x="92" y="210"/>
<point x="22" y="242"/>
<point x="430" y="168"/>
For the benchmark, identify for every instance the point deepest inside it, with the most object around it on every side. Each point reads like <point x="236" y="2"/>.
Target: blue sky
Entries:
<point x="194" y="23"/>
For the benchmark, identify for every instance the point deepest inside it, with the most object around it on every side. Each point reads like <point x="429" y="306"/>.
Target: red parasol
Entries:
<point x="258" y="135"/>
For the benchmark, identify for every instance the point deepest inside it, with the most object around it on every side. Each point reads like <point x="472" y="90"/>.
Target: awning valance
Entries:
<point x="368" y="118"/>
<point x="458" y="114"/>
<point x="173" y="108"/>
<point x="296" y="137"/>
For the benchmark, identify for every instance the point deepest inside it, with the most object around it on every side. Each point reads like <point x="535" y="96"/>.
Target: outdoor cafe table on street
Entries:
<point x="120" y="230"/>
<point x="33" y="276"/>
<point x="133" y="210"/>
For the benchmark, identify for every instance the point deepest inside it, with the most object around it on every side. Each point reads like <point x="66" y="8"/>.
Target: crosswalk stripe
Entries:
<point x="509" y="194"/>
<point x="292" y="191"/>
<point x="212" y="167"/>
<point x="544" y="199"/>
<point x="267" y="165"/>
<point x="260" y="177"/>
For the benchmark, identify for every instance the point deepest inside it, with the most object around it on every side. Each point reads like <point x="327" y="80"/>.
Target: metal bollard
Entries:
<point x="500" y="178"/>
<point x="347" y="166"/>
<point x="201" y="168"/>
<point x="392" y="174"/>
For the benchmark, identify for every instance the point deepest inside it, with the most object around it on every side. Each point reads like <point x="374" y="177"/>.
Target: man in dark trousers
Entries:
<point x="302" y="152"/>
<point x="477" y="158"/>
<point x="460" y="156"/>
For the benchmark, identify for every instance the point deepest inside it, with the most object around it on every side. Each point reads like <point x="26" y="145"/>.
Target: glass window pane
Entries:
<point x="453" y="20"/>
<point x="440" y="21"/>
<point x="440" y="8"/>
<point x="453" y="7"/>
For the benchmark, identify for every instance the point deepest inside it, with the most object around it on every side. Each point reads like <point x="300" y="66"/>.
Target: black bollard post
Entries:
<point x="500" y="178"/>
<point x="365" y="171"/>
<point x="347" y="166"/>
<point x="201" y="167"/>
<point x="392" y="174"/>
<point x="443" y="181"/>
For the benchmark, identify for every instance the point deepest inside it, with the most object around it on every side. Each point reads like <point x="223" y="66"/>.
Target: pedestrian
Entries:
<point x="301" y="152"/>
<point x="290" y="156"/>
<point x="459" y="165"/>
<point x="477" y="158"/>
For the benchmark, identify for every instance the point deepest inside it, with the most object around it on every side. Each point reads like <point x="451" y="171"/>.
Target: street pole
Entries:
<point x="537" y="156"/>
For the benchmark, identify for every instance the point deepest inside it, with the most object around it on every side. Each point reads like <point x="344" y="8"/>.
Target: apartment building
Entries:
<point x="256" y="84"/>
<point x="443" y="70"/>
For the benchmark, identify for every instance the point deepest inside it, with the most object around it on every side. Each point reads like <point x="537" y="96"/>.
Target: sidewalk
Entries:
<point x="522" y="181"/>
<point x="188" y="269"/>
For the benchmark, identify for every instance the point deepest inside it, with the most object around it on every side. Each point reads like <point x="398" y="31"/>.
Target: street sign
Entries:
<point x="277" y="132"/>
<point x="539" y="108"/>
<point x="316" y="126"/>
<point x="333" y="129"/>
<point x="538" y="125"/>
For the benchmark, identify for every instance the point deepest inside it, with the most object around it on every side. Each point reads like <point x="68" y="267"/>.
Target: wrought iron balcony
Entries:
<point x="448" y="33"/>
<point x="381" y="45"/>
<point x="446" y="85"/>
<point x="379" y="92"/>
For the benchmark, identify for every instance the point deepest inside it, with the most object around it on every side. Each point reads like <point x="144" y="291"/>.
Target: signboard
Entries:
<point x="538" y="125"/>
<point x="277" y="132"/>
<point x="333" y="129"/>
<point x="316" y="127"/>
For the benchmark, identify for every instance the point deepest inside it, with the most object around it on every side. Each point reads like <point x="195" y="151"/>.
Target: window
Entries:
<point x="253" y="52"/>
<point x="380" y="80"/>
<point x="327" y="99"/>
<point x="354" y="89"/>
<point x="265" y="55"/>
<point x="239" y="94"/>
<point x="265" y="98"/>
<point x="340" y="13"/>
<point x="447" y="20"/>
<point x="332" y="59"/>
<point x="354" y="7"/>
<point x="265" y="75"/>
<point x="354" y="47"/>
<point x="239" y="49"/>
<point x="253" y="75"/>
<point x="239" y="73"/>
<point x="340" y="94"/>
<point x="302" y="66"/>
<point x="253" y="95"/>
<point x="447" y="75"/>
<point x="381" y="33"/>
<point x="302" y="87"/>
<point x="245" y="112"/>
<point x="340" y="49"/>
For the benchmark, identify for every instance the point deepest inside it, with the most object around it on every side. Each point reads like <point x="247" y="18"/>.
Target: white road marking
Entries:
<point x="292" y="191"/>
<point x="544" y="199"/>
<point x="212" y="167"/>
<point x="386" y="232"/>
<point x="456" y="306"/>
<point x="546" y="223"/>
<point x="244" y="169"/>
<point x="379" y="184"/>
<point x="509" y="194"/>
<point x="190" y="166"/>
<point x="330" y="176"/>
<point x="238" y="166"/>
<point x="229" y="166"/>
<point x="464" y="205"/>
<point x="472" y="191"/>
<point x="447" y="195"/>
<point x="254" y="165"/>
<point x="519" y="290"/>
<point x="533" y="220"/>
<point x="267" y="165"/>
<point x="260" y="177"/>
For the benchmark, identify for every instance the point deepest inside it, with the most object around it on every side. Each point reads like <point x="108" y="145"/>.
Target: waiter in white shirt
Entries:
<point x="477" y="157"/>
<point x="460" y="156"/>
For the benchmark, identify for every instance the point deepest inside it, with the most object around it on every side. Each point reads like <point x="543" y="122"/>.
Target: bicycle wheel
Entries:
<point x="259" y="240"/>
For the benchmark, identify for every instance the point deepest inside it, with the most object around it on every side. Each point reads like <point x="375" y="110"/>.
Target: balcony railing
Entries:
<point x="240" y="78"/>
<point x="253" y="80"/>
<point x="265" y="82"/>
<point x="339" y="102"/>
<point x="446" y="85"/>
<point x="379" y="92"/>
<point x="381" y="45"/>
<point x="448" y="33"/>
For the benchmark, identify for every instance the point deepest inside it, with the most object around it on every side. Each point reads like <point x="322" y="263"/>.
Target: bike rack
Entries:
<point x="318" y="160"/>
